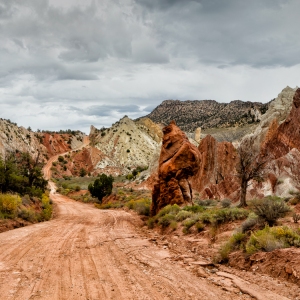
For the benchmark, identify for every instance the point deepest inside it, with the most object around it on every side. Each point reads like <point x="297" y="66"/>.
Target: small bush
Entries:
<point x="207" y="202"/>
<point x="166" y="220"/>
<point x="169" y="209"/>
<point x="234" y="243"/>
<point x="60" y="158"/>
<point x="77" y="188"/>
<point x="173" y="225"/>
<point x="151" y="223"/>
<point x="250" y="223"/>
<point x="9" y="204"/>
<point x="188" y="223"/>
<point x="194" y="208"/>
<point x="199" y="226"/>
<point x="270" y="209"/>
<point x="296" y="217"/>
<point x="182" y="215"/>
<point x="226" y="203"/>
<point x="271" y="238"/>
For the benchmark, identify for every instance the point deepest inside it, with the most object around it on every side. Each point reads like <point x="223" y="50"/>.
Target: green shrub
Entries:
<point x="151" y="223"/>
<point x="77" y="188"/>
<point x="194" y="208"/>
<point x="234" y="243"/>
<point x="270" y="209"/>
<point x="141" y="206"/>
<point x="188" y="223"/>
<point x="199" y="226"/>
<point x="182" y="215"/>
<point x="249" y="223"/>
<point x="28" y="214"/>
<point x="166" y="220"/>
<point x="220" y="216"/>
<point x="173" y="225"/>
<point x="169" y="209"/>
<point x="207" y="202"/>
<point x="47" y="208"/>
<point x="101" y="187"/>
<point x="271" y="238"/>
<point x="226" y="203"/>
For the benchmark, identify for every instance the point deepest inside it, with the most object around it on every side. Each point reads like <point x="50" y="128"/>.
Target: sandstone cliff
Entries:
<point x="216" y="177"/>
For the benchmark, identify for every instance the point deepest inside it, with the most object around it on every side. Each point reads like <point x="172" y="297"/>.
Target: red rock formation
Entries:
<point x="179" y="160"/>
<point x="56" y="143"/>
<point x="216" y="177"/>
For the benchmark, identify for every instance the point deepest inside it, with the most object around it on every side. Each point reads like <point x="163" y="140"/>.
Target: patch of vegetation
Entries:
<point x="141" y="206"/>
<point x="271" y="238"/>
<point x="101" y="187"/>
<point x="235" y="243"/>
<point x="270" y="209"/>
<point x="31" y="209"/>
<point x="21" y="174"/>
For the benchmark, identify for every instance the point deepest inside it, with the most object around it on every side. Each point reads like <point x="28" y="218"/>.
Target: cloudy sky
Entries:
<point x="73" y="63"/>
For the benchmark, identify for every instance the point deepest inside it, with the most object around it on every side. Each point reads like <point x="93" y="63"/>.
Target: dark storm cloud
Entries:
<point x="256" y="33"/>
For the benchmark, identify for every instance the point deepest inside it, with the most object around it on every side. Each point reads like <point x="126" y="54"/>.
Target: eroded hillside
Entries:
<point x="126" y="144"/>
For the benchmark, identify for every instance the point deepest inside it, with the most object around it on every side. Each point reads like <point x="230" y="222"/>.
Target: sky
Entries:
<point x="76" y="63"/>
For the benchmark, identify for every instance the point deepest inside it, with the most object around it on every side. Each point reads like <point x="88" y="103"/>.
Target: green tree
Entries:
<point x="82" y="172"/>
<point x="102" y="186"/>
<point x="21" y="174"/>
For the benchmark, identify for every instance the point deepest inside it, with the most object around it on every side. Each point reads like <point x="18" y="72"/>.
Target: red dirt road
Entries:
<point x="87" y="253"/>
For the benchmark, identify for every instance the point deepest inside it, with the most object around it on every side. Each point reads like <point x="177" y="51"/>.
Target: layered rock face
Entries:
<point x="280" y="139"/>
<point x="179" y="160"/>
<point x="126" y="145"/>
<point x="216" y="177"/>
<point x="13" y="137"/>
<point x="278" y="111"/>
<point x="282" y="143"/>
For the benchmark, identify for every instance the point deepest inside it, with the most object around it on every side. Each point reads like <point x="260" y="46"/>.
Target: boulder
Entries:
<point x="179" y="161"/>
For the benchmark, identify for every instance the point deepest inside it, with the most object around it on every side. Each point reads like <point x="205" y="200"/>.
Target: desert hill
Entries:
<point x="126" y="144"/>
<point x="190" y="115"/>
<point x="17" y="138"/>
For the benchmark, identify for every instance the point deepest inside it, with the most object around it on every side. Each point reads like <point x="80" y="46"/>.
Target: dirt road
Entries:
<point x="87" y="253"/>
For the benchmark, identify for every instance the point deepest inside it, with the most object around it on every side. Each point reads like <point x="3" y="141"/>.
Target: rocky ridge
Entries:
<point x="190" y="115"/>
<point x="14" y="138"/>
